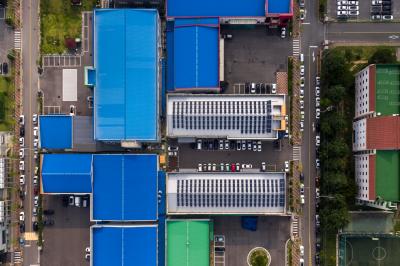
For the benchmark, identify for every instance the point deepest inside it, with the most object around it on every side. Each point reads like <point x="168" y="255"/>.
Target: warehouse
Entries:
<point x="123" y="187"/>
<point x="233" y="11"/>
<point x="123" y="245"/>
<point x="193" y="50"/>
<point x="127" y="75"/>
<point x="225" y="116"/>
<point x="226" y="193"/>
<point x="56" y="131"/>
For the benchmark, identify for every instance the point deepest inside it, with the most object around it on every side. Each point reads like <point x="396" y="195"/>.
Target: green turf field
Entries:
<point x="387" y="89"/>
<point x="369" y="250"/>
<point x="387" y="175"/>
<point x="188" y="243"/>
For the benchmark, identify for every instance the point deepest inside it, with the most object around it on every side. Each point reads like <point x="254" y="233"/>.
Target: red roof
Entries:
<point x="371" y="178"/>
<point x="383" y="133"/>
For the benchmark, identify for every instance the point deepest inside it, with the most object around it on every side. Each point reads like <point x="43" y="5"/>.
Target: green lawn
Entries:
<point x="60" y="20"/>
<point x="6" y="103"/>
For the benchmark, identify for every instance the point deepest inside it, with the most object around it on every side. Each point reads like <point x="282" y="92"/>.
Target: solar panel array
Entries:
<point x="248" y="117"/>
<point x="230" y="193"/>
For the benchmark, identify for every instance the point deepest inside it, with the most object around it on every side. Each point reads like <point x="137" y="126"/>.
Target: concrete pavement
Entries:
<point x="30" y="54"/>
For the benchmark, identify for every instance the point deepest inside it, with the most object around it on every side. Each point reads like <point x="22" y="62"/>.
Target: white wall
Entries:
<point x="362" y="176"/>
<point x="360" y="135"/>
<point x="362" y="92"/>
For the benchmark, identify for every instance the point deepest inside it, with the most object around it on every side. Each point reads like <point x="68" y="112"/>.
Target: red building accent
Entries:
<point x="371" y="178"/>
<point x="383" y="133"/>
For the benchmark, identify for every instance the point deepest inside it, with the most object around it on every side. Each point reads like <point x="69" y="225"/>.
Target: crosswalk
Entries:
<point x="17" y="257"/>
<point x="296" y="153"/>
<point x="295" y="226"/>
<point x="31" y="236"/>
<point x="17" y="40"/>
<point x="296" y="47"/>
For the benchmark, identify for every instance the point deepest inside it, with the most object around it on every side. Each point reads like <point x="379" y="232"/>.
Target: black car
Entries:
<point x="216" y="144"/>
<point x="268" y="89"/>
<point x="262" y="88"/>
<point x="387" y="8"/>
<point x="247" y="88"/>
<point x="210" y="145"/>
<point x="35" y="226"/>
<point x="301" y="177"/>
<point x="231" y="145"/>
<point x="5" y="68"/>
<point x="258" y="86"/>
<point x="22" y="228"/>
<point x="22" y="194"/>
<point x="48" y="222"/>
<point x="220" y="249"/>
<point x="21" y="131"/>
<point x="65" y="201"/>
<point x="48" y="212"/>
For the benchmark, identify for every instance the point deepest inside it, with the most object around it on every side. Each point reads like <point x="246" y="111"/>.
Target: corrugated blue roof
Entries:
<point x="125" y="187"/>
<point x="279" y="6"/>
<point x="124" y="245"/>
<point x="67" y="173"/>
<point x="213" y="8"/>
<point x="195" y="53"/>
<point x="126" y="64"/>
<point x="55" y="131"/>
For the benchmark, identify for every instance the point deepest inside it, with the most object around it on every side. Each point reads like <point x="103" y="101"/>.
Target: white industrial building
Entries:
<point x="226" y="193"/>
<point x="225" y="116"/>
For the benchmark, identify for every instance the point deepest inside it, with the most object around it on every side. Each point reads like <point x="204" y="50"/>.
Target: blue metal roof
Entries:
<point x="126" y="65"/>
<point x="195" y="45"/>
<point x="279" y="6"/>
<point x="67" y="173"/>
<point x="125" y="187"/>
<point x="124" y="245"/>
<point x="213" y="8"/>
<point x="55" y="131"/>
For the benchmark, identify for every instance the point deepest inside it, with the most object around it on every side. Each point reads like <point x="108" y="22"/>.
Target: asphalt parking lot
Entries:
<point x="254" y="55"/>
<point x="273" y="156"/>
<point x="365" y="9"/>
<point x="66" y="240"/>
<point x="6" y="37"/>
<point x="272" y="234"/>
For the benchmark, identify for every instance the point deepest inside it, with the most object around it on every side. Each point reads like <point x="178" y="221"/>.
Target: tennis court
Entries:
<point x="369" y="250"/>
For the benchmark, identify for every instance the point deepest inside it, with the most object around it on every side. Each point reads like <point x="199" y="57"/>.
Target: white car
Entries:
<point x="342" y="2"/>
<point x="200" y="167"/>
<point x="35" y="179"/>
<point x="273" y="90"/>
<point x="376" y="17"/>
<point x="301" y="250"/>
<point x="22" y="180"/>
<point x="301" y="104"/>
<point x="35" y="131"/>
<point x="302" y="199"/>
<point x="283" y="33"/>
<point x="342" y="7"/>
<point x="302" y="115"/>
<point x="317" y="163"/>
<point x="317" y="91"/>
<point x="221" y="144"/>
<point x="301" y="126"/>
<point x="317" y="113"/>
<point x="317" y="101"/>
<point x="302" y="14"/>
<point x="214" y="167"/>
<point x="226" y="144"/>
<point x="34" y="119"/>
<point x="287" y="166"/>
<point x="36" y="201"/>
<point x="35" y="143"/>
<point x="317" y="140"/>
<point x="353" y="3"/>
<point x="301" y="93"/>
<point x="259" y="146"/>
<point x="317" y="81"/>
<point x="342" y="13"/>
<point x="387" y="17"/>
<point x="376" y="2"/>
<point x="21" y="153"/>
<point x="21" y="165"/>
<point x="22" y="216"/>
<point x="263" y="166"/>
<point x="302" y="70"/>
<point x="353" y="8"/>
<point x="354" y="13"/>
<point x="21" y="141"/>
<point x="22" y="120"/>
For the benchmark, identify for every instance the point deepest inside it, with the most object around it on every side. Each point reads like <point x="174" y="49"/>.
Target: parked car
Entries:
<point x="354" y="13"/>
<point x="35" y="119"/>
<point x="221" y="144"/>
<point x="34" y="211"/>
<point x="353" y="8"/>
<point x="35" y="131"/>
<point x="342" y="7"/>
<point x="5" y="68"/>
<point x="273" y="90"/>
<point x="35" y="180"/>
<point x="71" y="200"/>
<point x="317" y="140"/>
<point x="301" y="250"/>
<point x="233" y="167"/>
<point x="283" y="33"/>
<point x="36" y="201"/>
<point x="22" y="228"/>
<point x="35" y="226"/>
<point x="22" y="131"/>
<point x="226" y="144"/>
<point x="387" y="17"/>
<point x="259" y="146"/>
<point x="22" y="180"/>
<point x="21" y="141"/>
<point x="376" y="2"/>
<point x="317" y="101"/>
<point x="302" y="70"/>
<point x="376" y="17"/>
<point x="21" y="153"/>
<point x="237" y="167"/>
<point x="214" y="167"/>
<point x="238" y="145"/>
<point x="21" y="165"/>
<point x="317" y="163"/>
<point x="287" y="166"/>
<point x="342" y="13"/>
<point x="21" y="216"/>
<point x="48" y="222"/>
<point x="22" y="120"/>
<point x="317" y="91"/>
<point x="200" y="167"/>
<point x="317" y="113"/>
<point x="263" y="166"/>
<point x="199" y="144"/>
<point x="353" y="3"/>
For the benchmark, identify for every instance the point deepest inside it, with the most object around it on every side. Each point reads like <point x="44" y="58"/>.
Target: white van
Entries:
<point x="302" y="58"/>
<point x="77" y="201"/>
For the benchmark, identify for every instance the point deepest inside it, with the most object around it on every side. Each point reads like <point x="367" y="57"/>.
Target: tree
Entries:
<point x="334" y="213"/>
<point x="383" y="56"/>
<point x="333" y="183"/>
<point x="335" y="94"/>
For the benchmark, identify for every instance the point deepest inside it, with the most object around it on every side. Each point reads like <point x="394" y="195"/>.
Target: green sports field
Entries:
<point x="369" y="250"/>
<point x="188" y="243"/>
<point x="387" y="89"/>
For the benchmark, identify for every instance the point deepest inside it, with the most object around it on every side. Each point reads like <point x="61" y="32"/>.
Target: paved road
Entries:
<point x="364" y="33"/>
<point x="30" y="53"/>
